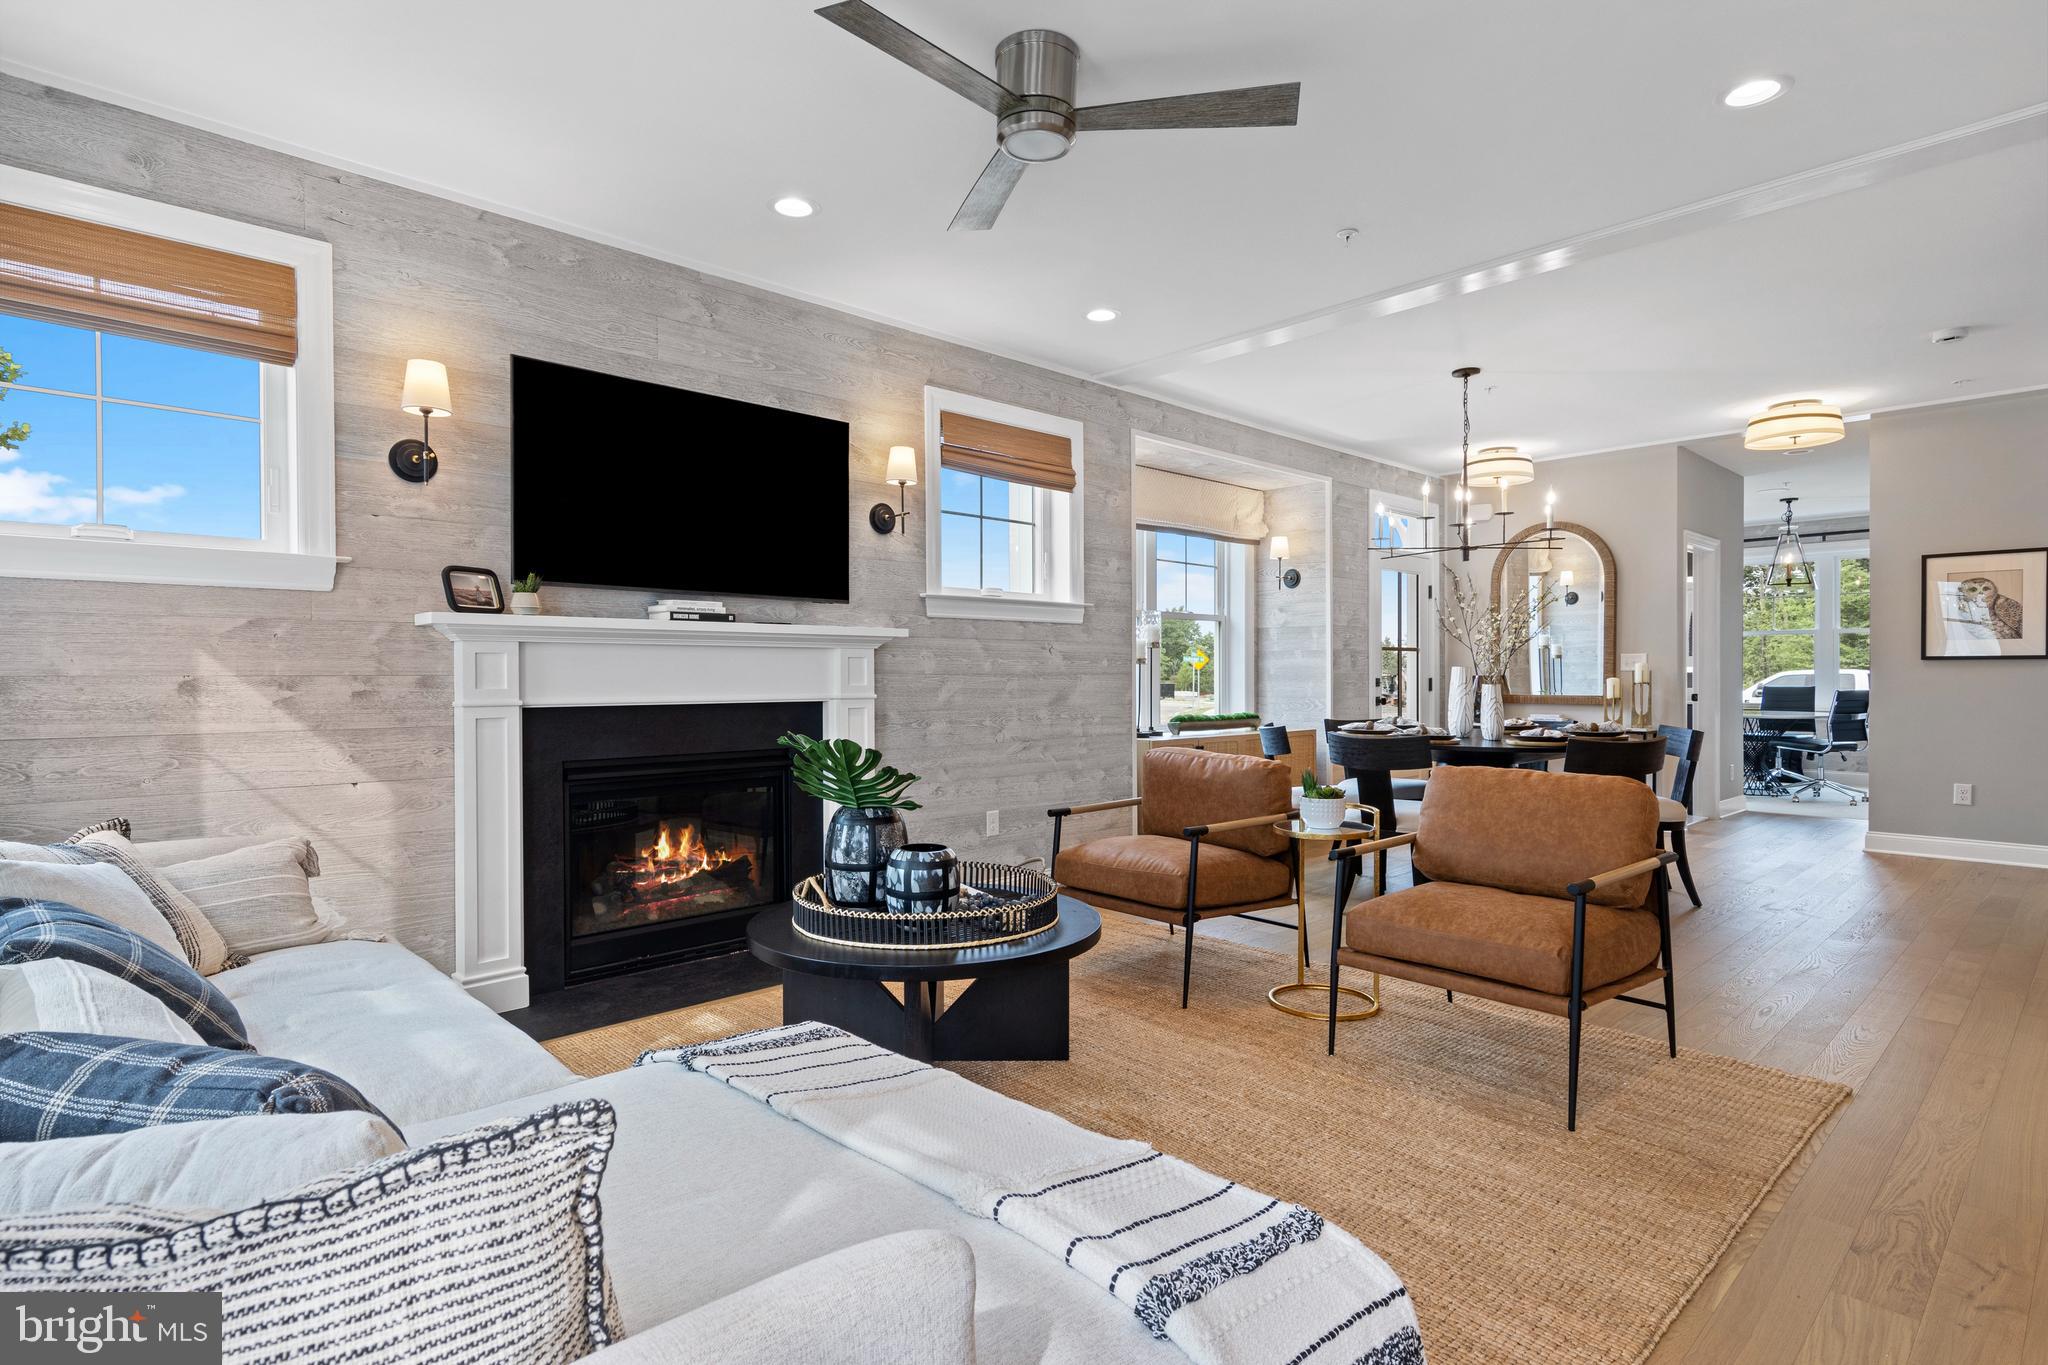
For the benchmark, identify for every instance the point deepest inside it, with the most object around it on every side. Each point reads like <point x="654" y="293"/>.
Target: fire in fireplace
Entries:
<point x="675" y="850"/>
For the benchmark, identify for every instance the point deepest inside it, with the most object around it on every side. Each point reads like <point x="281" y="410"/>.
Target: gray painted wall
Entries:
<point x="1971" y="476"/>
<point x="224" y="711"/>
<point x="1292" y="624"/>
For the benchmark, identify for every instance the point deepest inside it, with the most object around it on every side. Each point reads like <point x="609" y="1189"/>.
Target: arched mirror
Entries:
<point x="1571" y="642"/>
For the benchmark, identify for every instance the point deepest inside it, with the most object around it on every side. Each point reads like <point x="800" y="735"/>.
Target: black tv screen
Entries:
<point x="626" y="484"/>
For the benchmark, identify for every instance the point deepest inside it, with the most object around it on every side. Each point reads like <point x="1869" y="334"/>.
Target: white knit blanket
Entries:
<point x="1229" y="1275"/>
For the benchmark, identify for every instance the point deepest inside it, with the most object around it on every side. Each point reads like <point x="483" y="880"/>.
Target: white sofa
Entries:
<point x="707" y="1193"/>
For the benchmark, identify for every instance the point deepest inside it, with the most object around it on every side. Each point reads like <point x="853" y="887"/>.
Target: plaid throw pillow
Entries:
<point x="35" y="929"/>
<point x="59" y="1085"/>
<point x="478" y="1249"/>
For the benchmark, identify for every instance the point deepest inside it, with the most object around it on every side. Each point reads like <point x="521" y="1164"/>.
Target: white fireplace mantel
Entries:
<point x="504" y="664"/>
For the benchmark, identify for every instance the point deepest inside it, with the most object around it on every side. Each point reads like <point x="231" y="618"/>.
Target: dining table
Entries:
<point x="1761" y="731"/>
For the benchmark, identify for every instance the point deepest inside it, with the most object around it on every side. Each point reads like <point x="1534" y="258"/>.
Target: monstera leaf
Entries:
<point x="846" y="772"/>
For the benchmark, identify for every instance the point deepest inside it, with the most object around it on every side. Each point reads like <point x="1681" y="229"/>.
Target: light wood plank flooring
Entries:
<point x="1914" y="1231"/>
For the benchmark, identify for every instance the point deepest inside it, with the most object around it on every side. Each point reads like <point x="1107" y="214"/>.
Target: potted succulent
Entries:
<point x="1321" y="807"/>
<point x="866" y="828"/>
<point x="526" y="595"/>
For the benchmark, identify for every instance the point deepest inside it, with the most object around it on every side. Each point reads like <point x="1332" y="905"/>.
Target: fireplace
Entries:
<point x="654" y="832"/>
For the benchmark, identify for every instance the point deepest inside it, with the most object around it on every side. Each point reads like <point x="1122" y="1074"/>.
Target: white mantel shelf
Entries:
<point x="505" y="664"/>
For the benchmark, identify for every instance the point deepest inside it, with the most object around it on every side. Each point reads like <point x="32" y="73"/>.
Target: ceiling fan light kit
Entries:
<point x="1032" y="97"/>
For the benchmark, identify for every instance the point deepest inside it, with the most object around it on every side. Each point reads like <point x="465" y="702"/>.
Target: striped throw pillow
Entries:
<point x="482" y="1248"/>
<point x="101" y="874"/>
<point x="31" y="930"/>
<point x="60" y="1085"/>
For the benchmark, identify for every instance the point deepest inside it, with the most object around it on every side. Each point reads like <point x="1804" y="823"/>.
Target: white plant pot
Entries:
<point x="1492" y="723"/>
<point x="526" y="604"/>
<point x="1322" y="812"/>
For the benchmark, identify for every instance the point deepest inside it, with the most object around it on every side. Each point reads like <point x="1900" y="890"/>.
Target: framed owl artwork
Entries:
<point x="1987" y="605"/>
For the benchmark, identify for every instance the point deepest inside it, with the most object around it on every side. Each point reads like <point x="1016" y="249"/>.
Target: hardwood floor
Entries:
<point x="1914" y="1230"/>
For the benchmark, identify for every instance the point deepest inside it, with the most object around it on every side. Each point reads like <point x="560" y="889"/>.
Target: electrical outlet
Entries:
<point x="1965" y="795"/>
<point x="1734" y="772"/>
<point x="995" y="823"/>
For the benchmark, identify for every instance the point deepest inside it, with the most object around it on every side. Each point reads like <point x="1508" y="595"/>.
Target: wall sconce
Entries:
<point x="902" y="473"/>
<point x="426" y="397"/>
<point x="1564" y="580"/>
<point x="1286" y="578"/>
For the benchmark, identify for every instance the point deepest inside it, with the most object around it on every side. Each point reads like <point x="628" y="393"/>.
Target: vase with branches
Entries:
<point x="1493" y="634"/>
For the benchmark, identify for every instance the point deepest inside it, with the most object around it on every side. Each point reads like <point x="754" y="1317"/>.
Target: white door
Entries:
<point x="1700" y="611"/>
<point x="1402" y="615"/>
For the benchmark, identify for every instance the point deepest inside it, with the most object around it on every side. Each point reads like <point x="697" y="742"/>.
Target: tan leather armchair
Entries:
<point x="1205" y="844"/>
<point x="1545" y="890"/>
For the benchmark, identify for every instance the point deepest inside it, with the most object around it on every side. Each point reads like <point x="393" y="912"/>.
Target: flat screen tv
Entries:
<point x="625" y="484"/>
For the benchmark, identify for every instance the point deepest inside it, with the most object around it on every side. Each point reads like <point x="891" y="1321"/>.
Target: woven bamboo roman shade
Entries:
<point x="84" y="274"/>
<point x="1001" y="451"/>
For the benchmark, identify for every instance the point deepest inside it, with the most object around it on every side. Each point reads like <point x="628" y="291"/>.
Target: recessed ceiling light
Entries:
<point x="1102" y="315"/>
<point x="789" y="206"/>
<point x="1762" y="90"/>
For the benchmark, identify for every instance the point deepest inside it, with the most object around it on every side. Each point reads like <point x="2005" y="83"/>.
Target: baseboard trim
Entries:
<point x="1734" y="805"/>
<point x="502" y="991"/>
<point x="1961" y="850"/>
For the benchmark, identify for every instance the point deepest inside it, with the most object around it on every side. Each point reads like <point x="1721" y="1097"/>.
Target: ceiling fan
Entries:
<point x="1032" y="97"/>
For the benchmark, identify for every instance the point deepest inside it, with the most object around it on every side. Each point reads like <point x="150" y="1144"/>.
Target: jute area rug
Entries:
<point x="1436" y="1134"/>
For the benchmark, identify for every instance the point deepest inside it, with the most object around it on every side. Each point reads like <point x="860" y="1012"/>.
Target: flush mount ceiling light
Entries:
<point x="1762" y="90"/>
<point x="1501" y="466"/>
<point x="1796" y="425"/>
<point x="1102" y="315"/>
<point x="790" y="206"/>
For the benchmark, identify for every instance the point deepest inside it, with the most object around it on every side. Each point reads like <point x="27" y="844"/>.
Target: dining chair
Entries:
<point x="1372" y="761"/>
<point x="1640" y="758"/>
<point x="1848" y="729"/>
<point x="1673" y="810"/>
<point x="1405" y="788"/>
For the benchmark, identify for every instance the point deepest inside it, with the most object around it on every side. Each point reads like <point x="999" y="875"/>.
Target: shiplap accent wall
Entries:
<point x="1293" y="623"/>
<point x="224" y="711"/>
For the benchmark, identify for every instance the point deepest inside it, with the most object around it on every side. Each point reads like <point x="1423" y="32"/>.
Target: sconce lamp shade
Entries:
<point x="902" y="466"/>
<point x="426" y="389"/>
<point x="1278" y="549"/>
<point x="1564" y="578"/>
<point x="1501" y="466"/>
<point x="1795" y="425"/>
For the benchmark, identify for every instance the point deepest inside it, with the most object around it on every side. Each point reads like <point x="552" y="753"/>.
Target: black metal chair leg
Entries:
<point x="1684" y="867"/>
<point x="1664" y="934"/>
<point x="1449" y="998"/>
<point x="1347" y="872"/>
<point x="1187" y="960"/>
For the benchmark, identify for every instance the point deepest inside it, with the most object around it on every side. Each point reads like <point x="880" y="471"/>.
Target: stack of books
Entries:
<point x="688" y="609"/>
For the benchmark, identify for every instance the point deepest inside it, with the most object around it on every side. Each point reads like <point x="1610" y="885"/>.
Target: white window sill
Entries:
<point x="973" y="606"/>
<point x="204" y="566"/>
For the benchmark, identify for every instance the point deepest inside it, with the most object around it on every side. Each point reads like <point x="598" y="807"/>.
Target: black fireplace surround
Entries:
<point x="653" y="833"/>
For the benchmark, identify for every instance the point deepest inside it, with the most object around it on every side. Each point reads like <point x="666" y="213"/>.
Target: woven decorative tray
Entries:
<point x="999" y="903"/>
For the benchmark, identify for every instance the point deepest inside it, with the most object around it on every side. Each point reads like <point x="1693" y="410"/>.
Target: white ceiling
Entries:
<point x="1833" y="481"/>
<point x="1449" y="135"/>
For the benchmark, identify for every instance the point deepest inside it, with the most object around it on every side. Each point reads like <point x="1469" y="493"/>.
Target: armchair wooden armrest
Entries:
<point x="1620" y="874"/>
<point x="1197" y="831"/>
<point x="1058" y="812"/>
<point x="1343" y="851"/>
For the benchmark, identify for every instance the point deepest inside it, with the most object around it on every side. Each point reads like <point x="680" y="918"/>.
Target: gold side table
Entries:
<point x="1352" y="830"/>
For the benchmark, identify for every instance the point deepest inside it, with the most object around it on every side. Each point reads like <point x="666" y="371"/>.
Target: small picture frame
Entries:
<point x="472" y="589"/>
<point x="1986" y="604"/>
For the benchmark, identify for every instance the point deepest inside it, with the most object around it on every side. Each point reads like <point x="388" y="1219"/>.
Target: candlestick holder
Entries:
<point x="1639" y="700"/>
<point x="1612" y="708"/>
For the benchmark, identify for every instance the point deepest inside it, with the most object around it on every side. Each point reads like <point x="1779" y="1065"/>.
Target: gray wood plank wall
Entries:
<point x="230" y="711"/>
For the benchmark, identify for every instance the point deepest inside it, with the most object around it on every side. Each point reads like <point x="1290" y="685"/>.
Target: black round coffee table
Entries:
<point x="1014" y="1010"/>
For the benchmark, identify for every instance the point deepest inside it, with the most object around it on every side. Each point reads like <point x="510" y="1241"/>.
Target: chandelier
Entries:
<point x="1790" y="570"/>
<point x="1502" y="466"/>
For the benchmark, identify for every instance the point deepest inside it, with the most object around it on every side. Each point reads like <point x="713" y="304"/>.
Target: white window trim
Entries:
<point x="1827" y="629"/>
<point x="1059" y="544"/>
<point x="1428" y="623"/>
<point x="1236" y="632"/>
<point x="298" y="481"/>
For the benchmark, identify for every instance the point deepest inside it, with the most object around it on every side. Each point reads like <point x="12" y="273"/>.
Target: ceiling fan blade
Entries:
<point x="870" y="25"/>
<point x="1256" y="106"/>
<point x="991" y="191"/>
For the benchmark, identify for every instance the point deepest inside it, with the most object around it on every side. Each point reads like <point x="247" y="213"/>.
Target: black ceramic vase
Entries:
<point x="921" y="879"/>
<point x="857" y="848"/>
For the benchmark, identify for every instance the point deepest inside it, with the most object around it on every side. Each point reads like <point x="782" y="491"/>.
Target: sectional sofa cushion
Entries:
<point x="258" y="896"/>
<point x="56" y="1085"/>
<point x="33" y="930"/>
<point x="486" y="1247"/>
<point x="207" y="1163"/>
<point x="415" y="1042"/>
<point x="100" y="874"/>
<point x="59" y="995"/>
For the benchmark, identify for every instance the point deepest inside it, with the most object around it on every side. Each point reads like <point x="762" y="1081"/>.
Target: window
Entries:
<point x="1818" y="639"/>
<point x="1402" y="676"/>
<point x="1003" y="494"/>
<point x="1200" y="588"/>
<point x="166" y="393"/>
